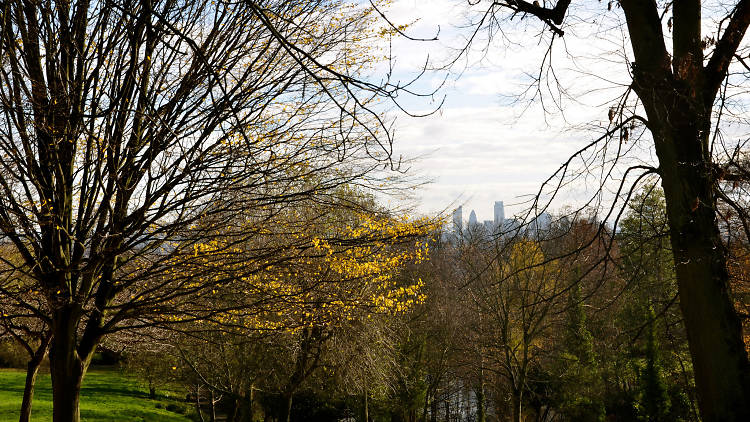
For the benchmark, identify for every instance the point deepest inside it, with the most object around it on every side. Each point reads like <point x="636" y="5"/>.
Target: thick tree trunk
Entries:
<point x="69" y="359"/>
<point x="678" y="93"/>
<point x="67" y="372"/>
<point x="714" y="331"/>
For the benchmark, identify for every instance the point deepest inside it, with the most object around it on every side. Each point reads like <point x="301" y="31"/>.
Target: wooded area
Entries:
<point x="196" y="188"/>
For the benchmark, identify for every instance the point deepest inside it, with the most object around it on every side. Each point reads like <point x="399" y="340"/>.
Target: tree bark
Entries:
<point x="678" y="94"/>
<point x="481" y="415"/>
<point x="233" y="411"/>
<point x="289" y="397"/>
<point x="714" y="331"/>
<point x="198" y="403"/>
<point x="28" y="391"/>
<point x="367" y="410"/>
<point x="211" y="407"/>
<point x="32" y="370"/>
<point x="66" y="370"/>
<point x="67" y="367"/>
<point x="516" y="403"/>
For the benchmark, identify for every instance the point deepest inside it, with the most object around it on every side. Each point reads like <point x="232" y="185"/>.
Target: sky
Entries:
<point x="488" y="142"/>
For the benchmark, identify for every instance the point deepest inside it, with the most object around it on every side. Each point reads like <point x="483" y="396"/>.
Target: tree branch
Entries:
<point x="726" y="47"/>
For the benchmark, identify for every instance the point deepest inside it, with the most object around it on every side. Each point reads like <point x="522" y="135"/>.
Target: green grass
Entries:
<point x="106" y="395"/>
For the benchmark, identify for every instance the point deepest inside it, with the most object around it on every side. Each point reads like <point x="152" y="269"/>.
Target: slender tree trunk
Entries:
<point x="289" y="396"/>
<point x="481" y="417"/>
<point x="367" y="411"/>
<point x="32" y="370"/>
<point x="28" y="391"/>
<point x="198" y="403"/>
<point x="232" y="415"/>
<point x="249" y="404"/>
<point x="211" y="407"/>
<point x="516" y="402"/>
<point x="433" y="410"/>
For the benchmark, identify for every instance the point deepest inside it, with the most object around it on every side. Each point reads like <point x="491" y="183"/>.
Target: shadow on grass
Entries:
<point x="131" y="415"/>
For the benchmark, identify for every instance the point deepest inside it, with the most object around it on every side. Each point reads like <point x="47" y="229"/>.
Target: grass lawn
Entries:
<point x="107" y="395"/>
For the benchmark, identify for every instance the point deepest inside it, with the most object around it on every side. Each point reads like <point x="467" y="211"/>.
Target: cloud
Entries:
<point x="492" y="139"/>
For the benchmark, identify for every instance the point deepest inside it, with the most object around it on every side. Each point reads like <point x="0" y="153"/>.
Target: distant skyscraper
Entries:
<point x="499" y="213"/>
<point x="473" y="219"/>
<point x="458" y="220"/>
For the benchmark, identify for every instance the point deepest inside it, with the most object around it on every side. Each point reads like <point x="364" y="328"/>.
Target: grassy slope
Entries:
<point x="106" y="396"/>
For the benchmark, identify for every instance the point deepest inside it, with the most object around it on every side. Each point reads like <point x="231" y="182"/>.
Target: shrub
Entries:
<point x="12" y="355"/>
<point x="176" y="408"/>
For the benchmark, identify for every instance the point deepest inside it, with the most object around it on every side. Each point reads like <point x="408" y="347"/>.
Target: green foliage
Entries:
<point x="653" y="401"/>
<point x="652" y="375"/>
<point x="410" y="385"/>
<point x="580" y="378"/>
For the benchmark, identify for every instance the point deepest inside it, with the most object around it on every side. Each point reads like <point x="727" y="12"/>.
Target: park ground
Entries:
<point x="106" y="395"/>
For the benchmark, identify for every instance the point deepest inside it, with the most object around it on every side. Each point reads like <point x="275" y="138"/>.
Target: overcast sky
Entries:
<point x="485" y="144"/>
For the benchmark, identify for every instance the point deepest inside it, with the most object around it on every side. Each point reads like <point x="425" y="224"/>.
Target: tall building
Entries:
<point x="458" y="220"/>
<point x="473" y="219"/>
<point x="499" y="214"/>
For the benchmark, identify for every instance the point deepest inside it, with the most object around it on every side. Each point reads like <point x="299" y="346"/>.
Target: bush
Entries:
<point x="12" y="355"/>
<point x="176" y="408"/>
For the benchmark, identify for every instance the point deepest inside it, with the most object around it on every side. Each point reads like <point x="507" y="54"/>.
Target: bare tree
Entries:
<point x="684" y="96"/>
<point x="127" y="125"/>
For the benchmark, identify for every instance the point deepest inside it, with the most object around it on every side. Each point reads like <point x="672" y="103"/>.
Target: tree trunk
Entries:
<point x="678" y="94"/>
<point x="211" y="407"/>
<point x="516" y="402"/>
<point x="367" y="410"/>
<point x="481" y="417"/>
<point x="32" y="370"/>
<point x="198" y="403"/>
<point x="233" y="412"/>
<point x="67" y="370"/>
<point x="714" y="331"/>
<point x="28" y="391"/>
<point x="289" y="397"/>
